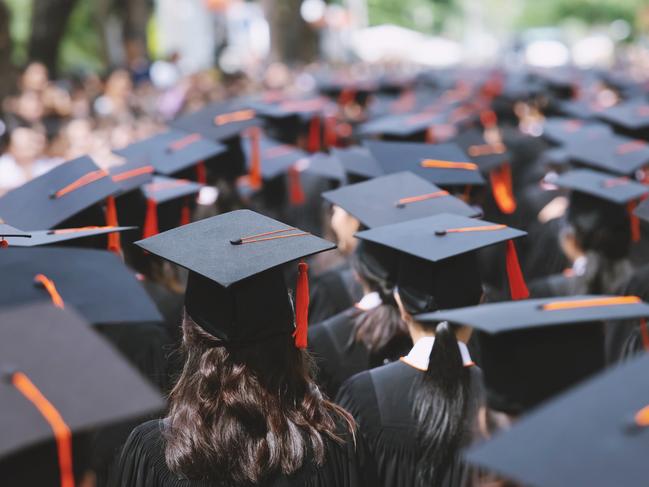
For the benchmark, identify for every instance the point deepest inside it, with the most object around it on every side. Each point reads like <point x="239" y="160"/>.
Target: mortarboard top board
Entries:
<point x="50" y="199"/>
<point x="303" y="108"/>
<point x="609" y="152"/>
<point x="276" y="158"/>
<point x="358" y="162"/>
<point x="218" y="121"/>
<point x="322" y="165"/>
<point x="554" y="157"/>
<point x="401" y="125"/>
<point x="486" y="156"/>
<point x="94" y="282"/>
<point x="62" y="235"/>
<point x="236" y="288"/>
<point x="395" y="198"/>
<point x="596" y="434"/>
<point x="9" y="231"/>
<point x="441" y="164"/>
<point x="632" y="115"/>
<point x="560" y="130"/>
<point x="163" y="189"/>
<point x="525" y="314"/>
<point x="618" y="190"/>
<point x="53" y="353"/>
<point x="172" y="151"/>
<point x="131" y="175"/>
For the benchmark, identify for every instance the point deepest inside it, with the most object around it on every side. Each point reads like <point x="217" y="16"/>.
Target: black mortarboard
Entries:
<point x="276" y="158"/>
<point x="518" y="337"/>
<point x="609" y="152"/>
<point x="438" y="268"/>
<point x="560" y="130"/>
<point x="642" y="211"/>
<point x="402" y="126"/>
<point x="395" y="198"/>
<point x="596" y="434"/>
<point x="323" y="165"/>
<point x="60" y="380"/>
<point x="131" y="175"/>
<point x="94" y="282"/>
<point x="172" y="151"/>
<point x="167" y="204"/>
<point x="163" y="189"/>
<point x="618" y="190"/>
<point x="219" y="121"/>
<point x="441" y="164"/>
<point x="358" y="162"/>
<point x="48" y="200"/>
<point x="9" y="233"/>
<point x="487" y="156"/>
<point x="236" y="289"/>
<point x="631" y="116"/>
<point x="62" y="235"/>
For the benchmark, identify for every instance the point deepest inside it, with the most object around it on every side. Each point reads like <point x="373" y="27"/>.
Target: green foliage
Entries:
<point x="423" y="15"/>
<point x="551" y="12"/>
<point x="19" y="27"/>
<point x="81" y="48"/>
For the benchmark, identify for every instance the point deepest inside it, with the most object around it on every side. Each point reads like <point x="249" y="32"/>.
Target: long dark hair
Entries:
<point x="441" y="407"/>
<point x="242" y="414"/>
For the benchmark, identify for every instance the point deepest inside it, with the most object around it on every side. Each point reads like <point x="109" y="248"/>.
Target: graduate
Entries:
<point x="416" y="413"/>
<point x="245" y="410"/>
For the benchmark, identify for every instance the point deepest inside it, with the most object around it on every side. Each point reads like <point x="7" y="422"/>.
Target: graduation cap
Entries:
<point x="59" y="380"/>
<point x="163" y="191"/>
<point x="631" y="116"/>
<point x="595" y="435"/>
<point x="172" y="151"/>
<point x="358" y="163"/>
<point x="395" y="198"/>
<point x="493" y="158"/>
<point x="236" y="289"/>
<point x="518" y="338"/>
<point x="560" y="130"/>
<point x="94" y="282"/>
<point x="9" y="232"/>
<point x="442" y="164"/>
<point x="409" y="126"/>
<point x="612" y="153"/>
<point x="618" y="190"/>
<point x="131" y="175"/>
<point x="61" y="235"/>
<point x="58" y="195"/>
<point x="218" y="121"/>
<point x="438" y="259"/>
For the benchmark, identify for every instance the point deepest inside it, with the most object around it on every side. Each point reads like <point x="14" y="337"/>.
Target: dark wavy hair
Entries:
<point x="441" y="404"/>
<point x="241" y="414"/>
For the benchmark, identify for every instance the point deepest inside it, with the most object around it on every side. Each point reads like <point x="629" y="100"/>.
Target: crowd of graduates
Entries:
<point x="380" y="278"/>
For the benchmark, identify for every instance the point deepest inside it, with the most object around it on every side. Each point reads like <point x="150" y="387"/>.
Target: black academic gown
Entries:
<point x="381" y="402"/>
<point x="331" y="292"/>
<point x="142" y="464"/>
<point x="339" y="356"/>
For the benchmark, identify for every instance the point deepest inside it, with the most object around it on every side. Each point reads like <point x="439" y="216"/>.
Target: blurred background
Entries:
<point x="120" y="69"/>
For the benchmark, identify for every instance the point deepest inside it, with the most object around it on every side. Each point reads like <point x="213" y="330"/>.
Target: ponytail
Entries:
<point x="440" y="404"/>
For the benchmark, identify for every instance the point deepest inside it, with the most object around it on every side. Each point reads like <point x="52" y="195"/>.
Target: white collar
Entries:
<point x="579" y="265"/>
<point x="369" y="301"/>
<point x="419" y="354"/>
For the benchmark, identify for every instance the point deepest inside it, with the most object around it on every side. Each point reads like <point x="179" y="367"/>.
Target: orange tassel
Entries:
<point x="314" y="134"/>
<point x="635" y="222"/>
<point x="644" y="333"/>
<point x="501" y="185"/>
<point x="151" y="219"/>
<point x="517" y="287"/>
<point x="330" y="135"/>
<point x="296" y="192"/>
<point x="3" y="243"/>
<point x="254" y="176"/>
<point x="114" y="242"/>
<point x="201" y="173"/>
<point x="302" y="306"/>
<point x="185" y="213"/>
<point x="488" y="119"/>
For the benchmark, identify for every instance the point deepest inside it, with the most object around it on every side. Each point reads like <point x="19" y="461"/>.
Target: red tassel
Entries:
<point x="488" y="119"/>
<point x="295" y="190"/>
<point x="517" y="286"/>
<point x="185" y="214"/>
<point x="301" y="306"/>
<point x="151" y="219"/>
<point x="635" y="222"/>
<point x="644" y="333"/>
<point x="3" y="243"/>
<point x="314" y="134"/>
<point x="254" y="176"/>
<point x="201" y="173"/>
<point x="501" y="186"/>
<point x="330" y="135"/>
<point x="114" y="243"/>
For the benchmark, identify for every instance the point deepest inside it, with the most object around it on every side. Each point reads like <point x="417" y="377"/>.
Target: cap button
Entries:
<point x="440" y="233"/>
<point x="237" y="241"/>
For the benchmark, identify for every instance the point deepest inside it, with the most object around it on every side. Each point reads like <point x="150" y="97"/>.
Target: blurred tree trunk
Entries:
<point x="49" y="19"/>
<point x="8" y="78"/>
<point x="292" y="40"/>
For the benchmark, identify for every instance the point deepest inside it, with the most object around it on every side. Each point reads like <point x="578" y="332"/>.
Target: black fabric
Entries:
<point x="339" y="356"/>
<point x="332" y="292"/>
<point x="142" y="464"/>
<point x="381" y="402"/>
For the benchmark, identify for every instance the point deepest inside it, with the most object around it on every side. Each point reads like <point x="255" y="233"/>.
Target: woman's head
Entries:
<point x="344" y="226"/>
<point x="243" y="412"/>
